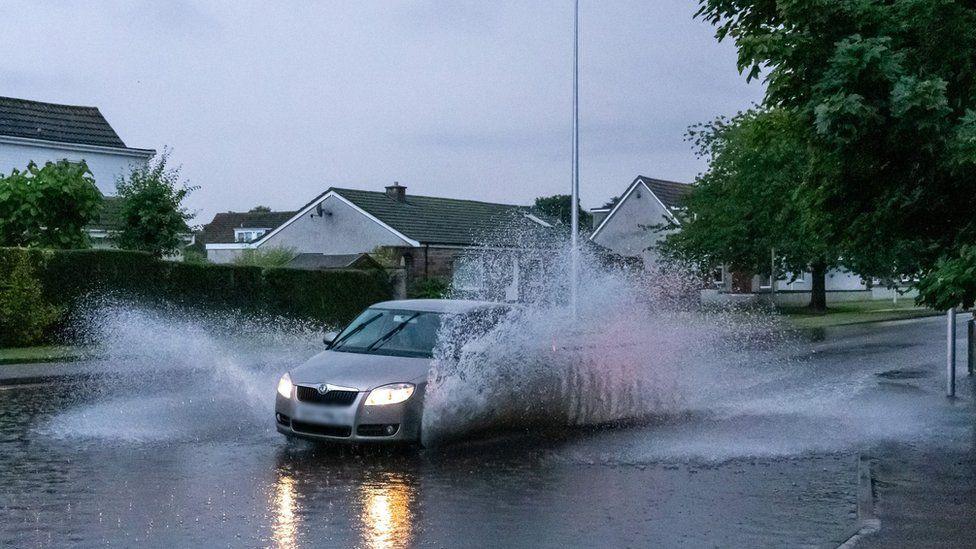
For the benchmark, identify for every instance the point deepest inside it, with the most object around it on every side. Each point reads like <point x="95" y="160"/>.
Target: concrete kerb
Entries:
<point x="867" y="522"/>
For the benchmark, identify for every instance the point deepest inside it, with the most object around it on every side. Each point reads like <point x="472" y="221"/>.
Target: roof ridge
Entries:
<point x="639" y="176"/>
<point x="2" y="97"/>
<point x="434" y="197"/>
<point x="259" y="213"/>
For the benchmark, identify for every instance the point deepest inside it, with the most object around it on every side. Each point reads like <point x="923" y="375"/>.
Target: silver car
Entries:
<point x="368" y="385"/>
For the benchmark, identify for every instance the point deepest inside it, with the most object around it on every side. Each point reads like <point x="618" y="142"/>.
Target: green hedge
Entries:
<point x="330" y="297"/>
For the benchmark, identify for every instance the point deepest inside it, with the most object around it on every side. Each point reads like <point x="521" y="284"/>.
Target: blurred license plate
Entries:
<point x="323" y="415"/>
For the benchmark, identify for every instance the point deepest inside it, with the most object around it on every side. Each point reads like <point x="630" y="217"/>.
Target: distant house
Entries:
<point x="231" y="228"/>
<point x="624" y="229"/>
<point x="48" y="132"/>
<point x="647" y="202"/>
<point x="32" y="131"/>
<point x="428" y="236"/>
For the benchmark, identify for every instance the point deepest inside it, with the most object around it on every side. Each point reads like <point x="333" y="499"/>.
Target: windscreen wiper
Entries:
<point x="386" y="337"/>
<point x="354" y="331"/>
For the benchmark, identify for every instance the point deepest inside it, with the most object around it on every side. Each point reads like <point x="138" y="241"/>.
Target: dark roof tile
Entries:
<point x="54" y="122"/>
<point x="435" y="220"/>
<point x="221" y="229"/>
<point x="671" y="193"/>
<point x="312" y="262"/>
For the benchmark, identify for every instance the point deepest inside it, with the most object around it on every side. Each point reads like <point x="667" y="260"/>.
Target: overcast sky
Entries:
<point x="273" y="102"/>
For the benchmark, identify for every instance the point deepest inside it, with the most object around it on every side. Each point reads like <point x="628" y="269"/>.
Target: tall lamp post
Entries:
<point x="574" y="207"/>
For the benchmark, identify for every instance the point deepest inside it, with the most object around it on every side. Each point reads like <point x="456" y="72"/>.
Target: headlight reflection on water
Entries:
<point x="285" y="525"/>
<point x="387" y="515"/>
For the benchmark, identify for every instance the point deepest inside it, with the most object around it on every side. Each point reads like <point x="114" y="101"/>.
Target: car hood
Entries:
<point x="360" y="371"/>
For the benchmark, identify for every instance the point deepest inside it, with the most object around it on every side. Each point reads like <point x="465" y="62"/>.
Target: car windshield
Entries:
<point x="394" y="332"/>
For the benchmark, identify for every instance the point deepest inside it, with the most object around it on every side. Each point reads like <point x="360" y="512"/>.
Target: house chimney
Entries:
<point x="397" y="192"/>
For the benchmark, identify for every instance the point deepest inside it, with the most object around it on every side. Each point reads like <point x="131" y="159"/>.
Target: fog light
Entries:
<point x="390" y="429"/>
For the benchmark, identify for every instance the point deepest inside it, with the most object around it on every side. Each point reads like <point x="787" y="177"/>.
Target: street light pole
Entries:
<point x="574" y="206"/>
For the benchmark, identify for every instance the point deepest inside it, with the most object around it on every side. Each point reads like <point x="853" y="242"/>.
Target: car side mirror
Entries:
<point x="328" y="338"/>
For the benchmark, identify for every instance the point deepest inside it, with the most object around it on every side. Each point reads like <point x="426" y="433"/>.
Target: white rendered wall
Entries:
<point x="105" y="166"/>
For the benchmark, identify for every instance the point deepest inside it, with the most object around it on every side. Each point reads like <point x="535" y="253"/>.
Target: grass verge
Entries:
<point x="855" y="312"/>
<point x="44" y="353"/>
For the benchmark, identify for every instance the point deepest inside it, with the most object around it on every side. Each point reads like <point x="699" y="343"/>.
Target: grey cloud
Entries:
<point x="272" y="102"/>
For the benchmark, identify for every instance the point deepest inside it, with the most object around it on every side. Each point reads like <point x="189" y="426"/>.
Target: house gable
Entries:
<point x="320" y="207"/>
<point x="622" y="230"/>
<point x="333" y="225"/>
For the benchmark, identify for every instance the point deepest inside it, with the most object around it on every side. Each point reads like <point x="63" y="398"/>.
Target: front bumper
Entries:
<point x="354" y="423"/>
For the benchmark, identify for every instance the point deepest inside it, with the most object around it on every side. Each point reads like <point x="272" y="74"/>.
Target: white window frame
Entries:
<point x="249" y="234"/>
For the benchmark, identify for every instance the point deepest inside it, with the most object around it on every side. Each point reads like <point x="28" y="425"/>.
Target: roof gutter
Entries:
<point x="79" y="147"/>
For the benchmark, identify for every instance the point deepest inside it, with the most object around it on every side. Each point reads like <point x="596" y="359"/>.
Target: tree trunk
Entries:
<point x="818" y="287"/>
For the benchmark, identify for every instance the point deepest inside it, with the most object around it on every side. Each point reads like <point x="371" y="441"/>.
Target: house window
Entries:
<point x="248" y="235"/>
<point x="718" y="276"/>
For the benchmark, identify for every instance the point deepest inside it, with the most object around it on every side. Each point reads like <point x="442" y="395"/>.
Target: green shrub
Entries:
<point x="48" y="206"/>
<point x="267" y="258"/>
<point x="24" y="313"/>
<point x="193" y="255"/>
<point x="153" y="217"/>
<point x="428" y="288"/>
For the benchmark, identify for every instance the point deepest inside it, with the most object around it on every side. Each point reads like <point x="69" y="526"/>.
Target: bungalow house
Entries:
<point x="428" y="237"/>
<point x="648" y="202"/>
<point x="49" y="132"/>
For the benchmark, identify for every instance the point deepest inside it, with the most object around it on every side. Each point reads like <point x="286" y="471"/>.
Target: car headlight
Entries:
<point x="284" y="386"/>
<point x="389" y="394"/>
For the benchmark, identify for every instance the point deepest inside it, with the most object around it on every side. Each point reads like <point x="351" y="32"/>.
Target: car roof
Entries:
<point x="437" y="305"/>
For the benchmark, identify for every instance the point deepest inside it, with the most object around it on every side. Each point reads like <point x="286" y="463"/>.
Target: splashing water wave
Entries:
<point x="637" y="346"/>
<point x="181" y="374"/>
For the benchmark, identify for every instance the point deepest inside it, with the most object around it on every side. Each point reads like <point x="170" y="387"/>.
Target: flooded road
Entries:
<point x="776" y="465"/>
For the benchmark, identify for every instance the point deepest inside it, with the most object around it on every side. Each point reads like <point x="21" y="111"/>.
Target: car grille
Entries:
<point x="323" y="430"/>
<point x="330" y="398"/>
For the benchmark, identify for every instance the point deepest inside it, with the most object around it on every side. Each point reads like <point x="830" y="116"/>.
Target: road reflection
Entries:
<point x="387" y="515"/>
<point x="285" y="524"/>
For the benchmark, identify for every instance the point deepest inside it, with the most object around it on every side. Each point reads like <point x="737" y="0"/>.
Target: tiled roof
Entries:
<point x="671" y="193"/>
<point x="313" y="262"/>
<point x="434" y="220"/>
<point x="221" y="229"/>
<point x="53" y="122"/>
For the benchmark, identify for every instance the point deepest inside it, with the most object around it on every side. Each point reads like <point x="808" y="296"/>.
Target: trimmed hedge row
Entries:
<point x="330" y="297"/>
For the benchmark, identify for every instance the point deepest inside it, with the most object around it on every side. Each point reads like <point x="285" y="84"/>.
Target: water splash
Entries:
<point x="638" y="346"/>
<point x="182" y="374"/>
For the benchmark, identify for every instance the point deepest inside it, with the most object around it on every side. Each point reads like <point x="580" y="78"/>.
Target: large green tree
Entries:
<point x="152" y="213"/>
<point x="888" y="90"/>
<point x="48" y="206"/>
<point x="752" y="204"/>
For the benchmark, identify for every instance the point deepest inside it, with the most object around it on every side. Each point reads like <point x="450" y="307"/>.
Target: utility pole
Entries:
<point x="574" y="251"/>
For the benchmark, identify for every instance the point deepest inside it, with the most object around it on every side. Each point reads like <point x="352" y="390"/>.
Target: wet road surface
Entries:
<point x="775" y="465"/>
